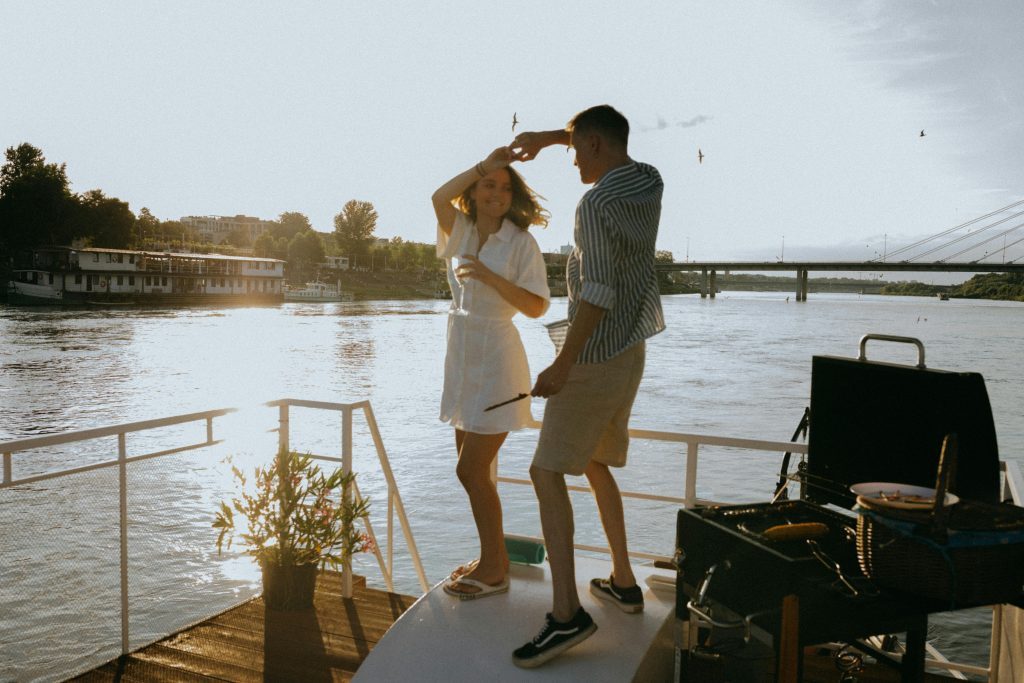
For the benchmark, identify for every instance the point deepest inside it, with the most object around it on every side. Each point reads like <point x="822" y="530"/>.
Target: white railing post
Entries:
<point x="995" y="643"/>
<point x="391" y="532"/>
<point x="393" y="494"/>
<point x="282" y="427"/>
<point x="691" y="475"/>
<point x="386" y="571"/>
<point x="122" y="468"/>
<point x="346" y="468"/>
<point x="209" y="430"/>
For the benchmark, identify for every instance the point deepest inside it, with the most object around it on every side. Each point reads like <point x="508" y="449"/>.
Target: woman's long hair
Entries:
<point x="525" y="210"/>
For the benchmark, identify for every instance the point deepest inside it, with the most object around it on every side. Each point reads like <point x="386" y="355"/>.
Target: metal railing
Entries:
<point x="689" y="498"/>
<point x="395" y="505"/>
<point x="9" y="449"/>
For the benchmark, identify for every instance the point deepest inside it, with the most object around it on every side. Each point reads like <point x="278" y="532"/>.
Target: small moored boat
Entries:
<point x="318" y="292"/>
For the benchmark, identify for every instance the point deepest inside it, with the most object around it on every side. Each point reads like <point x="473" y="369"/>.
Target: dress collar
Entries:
<point x="505" y="233"/>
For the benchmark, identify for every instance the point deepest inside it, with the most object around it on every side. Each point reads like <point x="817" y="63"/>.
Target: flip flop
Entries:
<point x="463" y="569"/>
<point x="483" y="589"/>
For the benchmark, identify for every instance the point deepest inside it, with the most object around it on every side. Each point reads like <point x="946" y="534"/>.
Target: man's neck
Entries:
<point x="613" y="163"/>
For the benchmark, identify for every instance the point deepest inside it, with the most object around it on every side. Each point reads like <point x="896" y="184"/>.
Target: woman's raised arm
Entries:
<point x="446" y="194"/>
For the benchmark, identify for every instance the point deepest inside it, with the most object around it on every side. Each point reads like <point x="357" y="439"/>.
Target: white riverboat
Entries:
<point x="317" y="292"/>
<point x="68" y="276"/>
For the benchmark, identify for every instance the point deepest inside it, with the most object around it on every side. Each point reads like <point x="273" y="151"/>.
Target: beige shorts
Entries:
<point x="589" y="418"/>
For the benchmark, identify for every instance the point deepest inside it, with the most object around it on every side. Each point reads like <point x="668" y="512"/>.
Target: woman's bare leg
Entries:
<point x="476" y="453"/>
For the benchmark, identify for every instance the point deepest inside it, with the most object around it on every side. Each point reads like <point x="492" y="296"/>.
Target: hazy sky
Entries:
<point x="808" y="113"/>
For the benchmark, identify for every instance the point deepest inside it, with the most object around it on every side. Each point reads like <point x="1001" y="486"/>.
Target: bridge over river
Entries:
<point x="709" y="269"/>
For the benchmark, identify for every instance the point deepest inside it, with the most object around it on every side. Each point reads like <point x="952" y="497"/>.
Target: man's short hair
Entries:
<point x="604" y="120"/>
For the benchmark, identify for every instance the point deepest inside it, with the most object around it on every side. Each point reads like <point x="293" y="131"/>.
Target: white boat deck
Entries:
<point x="441" y="638"/>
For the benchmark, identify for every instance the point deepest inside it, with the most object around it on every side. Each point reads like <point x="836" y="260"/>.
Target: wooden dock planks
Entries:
<point x="251" y="643"/>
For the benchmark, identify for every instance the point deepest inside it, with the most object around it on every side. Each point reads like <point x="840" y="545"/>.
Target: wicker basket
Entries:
<point x="970" y="567"/>
<point x="965" y="555"/>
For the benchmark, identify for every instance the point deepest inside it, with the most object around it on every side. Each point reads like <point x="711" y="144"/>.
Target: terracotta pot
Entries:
<point x="289" y="587"/>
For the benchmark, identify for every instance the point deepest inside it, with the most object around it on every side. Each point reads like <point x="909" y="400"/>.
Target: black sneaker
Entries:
<point x="629" y="600"/>
<point x="554" y="639"/>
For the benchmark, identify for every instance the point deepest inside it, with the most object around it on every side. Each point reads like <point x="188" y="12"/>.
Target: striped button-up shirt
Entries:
<point x="612" y="264"/>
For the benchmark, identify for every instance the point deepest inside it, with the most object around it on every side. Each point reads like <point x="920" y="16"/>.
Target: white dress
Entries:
<point x="485" y="362"/>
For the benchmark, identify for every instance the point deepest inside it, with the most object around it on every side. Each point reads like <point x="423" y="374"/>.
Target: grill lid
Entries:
<point x="878" y="421"/>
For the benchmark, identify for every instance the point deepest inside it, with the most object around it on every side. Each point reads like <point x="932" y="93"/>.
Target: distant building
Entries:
<point x="216" y="229"/>
<point x="336" y="262"/>
<point x="552" y="258"/>
<point x="565" y="249"/>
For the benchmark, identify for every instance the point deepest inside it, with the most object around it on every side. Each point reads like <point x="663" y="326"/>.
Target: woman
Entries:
<point x="483" y="215"/>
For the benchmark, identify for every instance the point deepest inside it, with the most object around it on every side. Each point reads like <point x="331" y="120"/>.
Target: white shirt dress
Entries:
<point x="485" y="362"/>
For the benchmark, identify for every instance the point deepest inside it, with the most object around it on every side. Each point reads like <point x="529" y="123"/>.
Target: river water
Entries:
<point x="737" y="365"/>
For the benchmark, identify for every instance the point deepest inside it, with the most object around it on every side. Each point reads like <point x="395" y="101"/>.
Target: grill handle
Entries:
<point x="862" y="356"/>
<point x="703" y="614"/>
<point x="702" y="591"/>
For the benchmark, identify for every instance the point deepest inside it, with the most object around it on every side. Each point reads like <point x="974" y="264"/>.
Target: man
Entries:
<point x="614" y="306"/>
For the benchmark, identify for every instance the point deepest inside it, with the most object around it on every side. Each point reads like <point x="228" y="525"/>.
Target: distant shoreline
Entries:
<point x="383" y="285"/>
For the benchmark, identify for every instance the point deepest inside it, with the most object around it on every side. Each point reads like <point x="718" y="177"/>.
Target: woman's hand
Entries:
<point x="474" y="269"/>
<point x="526" y="302"/>
<point x="499" y="158"/>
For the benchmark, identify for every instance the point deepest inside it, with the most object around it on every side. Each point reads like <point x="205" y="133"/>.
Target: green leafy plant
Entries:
<point x="294" y="514"/>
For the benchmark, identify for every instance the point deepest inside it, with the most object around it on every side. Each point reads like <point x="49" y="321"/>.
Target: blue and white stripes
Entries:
<point x="612" y="264"/>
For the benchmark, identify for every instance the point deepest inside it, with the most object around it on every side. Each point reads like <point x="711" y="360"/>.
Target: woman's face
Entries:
<point x="493" y="194"/>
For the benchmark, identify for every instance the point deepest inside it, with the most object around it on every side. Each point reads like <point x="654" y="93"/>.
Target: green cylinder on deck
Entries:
<point x="524" y="550"/>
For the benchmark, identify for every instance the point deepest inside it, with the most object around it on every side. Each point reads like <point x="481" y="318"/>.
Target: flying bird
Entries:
<point x="514" y="122"/>
<point x="921" y="135"/>
<point x="700" y="156"/>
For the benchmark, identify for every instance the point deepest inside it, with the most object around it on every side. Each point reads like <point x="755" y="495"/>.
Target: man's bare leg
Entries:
<point x="558" y="527"/>
<point x="609" y="505"/>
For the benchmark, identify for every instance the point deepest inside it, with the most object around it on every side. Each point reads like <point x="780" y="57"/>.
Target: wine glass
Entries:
<point x="457" y="263"/>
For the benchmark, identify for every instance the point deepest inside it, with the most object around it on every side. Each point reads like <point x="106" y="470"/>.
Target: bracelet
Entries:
<point x="480" y="169"/>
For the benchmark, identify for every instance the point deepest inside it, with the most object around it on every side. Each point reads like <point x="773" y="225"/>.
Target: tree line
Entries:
<point x="38" y="209"/>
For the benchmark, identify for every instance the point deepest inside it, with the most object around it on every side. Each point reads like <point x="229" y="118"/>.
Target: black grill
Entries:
<point x="869" y="421"/>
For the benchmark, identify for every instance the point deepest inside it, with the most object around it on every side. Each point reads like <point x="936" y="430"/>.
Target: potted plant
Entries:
<point x="297" y="520"/>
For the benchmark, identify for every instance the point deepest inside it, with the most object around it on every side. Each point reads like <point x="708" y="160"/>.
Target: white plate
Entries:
<point x="900" y="496"/>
